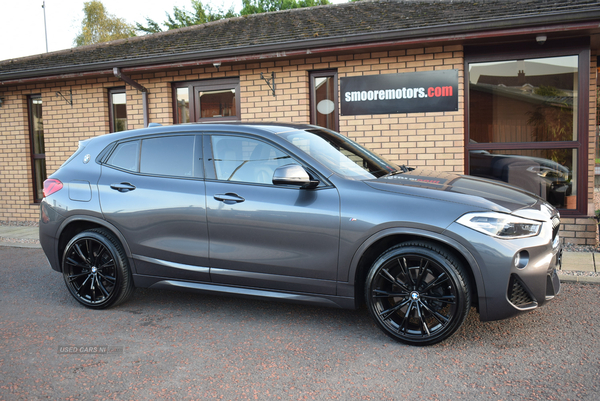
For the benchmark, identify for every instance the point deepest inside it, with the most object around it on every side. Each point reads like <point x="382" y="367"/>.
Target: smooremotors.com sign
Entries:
<point x="411" y="92"/>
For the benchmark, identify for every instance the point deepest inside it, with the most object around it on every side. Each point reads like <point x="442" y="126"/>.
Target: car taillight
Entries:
<point x="52" y="185"/>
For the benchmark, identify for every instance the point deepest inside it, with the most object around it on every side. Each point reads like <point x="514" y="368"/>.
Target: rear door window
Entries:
<point x="174" y="156"/>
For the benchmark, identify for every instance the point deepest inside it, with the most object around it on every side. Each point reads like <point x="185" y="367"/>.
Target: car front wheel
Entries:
<point x="96" y="270"/>
<point x="418" y="293"/>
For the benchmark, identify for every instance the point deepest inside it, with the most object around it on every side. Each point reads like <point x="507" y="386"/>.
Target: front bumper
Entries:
<point x="514" y="275"/>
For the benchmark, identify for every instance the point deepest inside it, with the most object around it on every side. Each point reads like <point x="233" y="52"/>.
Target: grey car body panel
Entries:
<point x="163" y="218"/>
<point x="307" y="243"/>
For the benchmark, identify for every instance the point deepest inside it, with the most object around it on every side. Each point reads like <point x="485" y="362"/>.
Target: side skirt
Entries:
<point x="253" y="293"/>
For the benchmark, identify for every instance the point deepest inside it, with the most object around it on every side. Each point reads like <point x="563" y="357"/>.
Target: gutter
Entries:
<point x="117" y="72"/>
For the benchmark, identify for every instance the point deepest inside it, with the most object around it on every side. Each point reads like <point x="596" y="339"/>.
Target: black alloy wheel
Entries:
<point x="96" y="270"/>
<point x="418" y="293"/>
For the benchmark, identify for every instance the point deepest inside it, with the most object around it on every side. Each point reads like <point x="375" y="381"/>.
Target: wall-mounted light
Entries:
<point x="541" y="39"/>
<point x="217" y="64"/>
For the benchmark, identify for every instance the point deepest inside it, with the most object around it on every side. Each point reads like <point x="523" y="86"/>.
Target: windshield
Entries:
<point x="340" y="154"/>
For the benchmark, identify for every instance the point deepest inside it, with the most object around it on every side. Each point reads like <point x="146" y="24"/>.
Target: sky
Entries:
<point x="22" y="21"/>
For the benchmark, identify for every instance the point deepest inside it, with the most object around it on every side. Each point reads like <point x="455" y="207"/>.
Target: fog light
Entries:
<point x="521" y="259"/>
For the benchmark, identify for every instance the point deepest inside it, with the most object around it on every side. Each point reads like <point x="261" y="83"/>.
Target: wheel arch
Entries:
<point x="76" y="224"/>
<point x="380" y="242"/>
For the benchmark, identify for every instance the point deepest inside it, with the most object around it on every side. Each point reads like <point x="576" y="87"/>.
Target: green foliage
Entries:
<point x="99" y="26"/>
<point x="182" y="18"/>
<point x="548" y="91"/>
<point x="265" y="6"/>
<point x="202" y="14"/>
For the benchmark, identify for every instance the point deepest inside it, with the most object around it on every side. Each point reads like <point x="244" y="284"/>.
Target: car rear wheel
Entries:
<point x="418" y="293"/>
<point x="96" y="270"/>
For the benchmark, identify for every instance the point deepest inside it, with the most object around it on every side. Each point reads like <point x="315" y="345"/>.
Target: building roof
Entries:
<point x="359" y="22"/>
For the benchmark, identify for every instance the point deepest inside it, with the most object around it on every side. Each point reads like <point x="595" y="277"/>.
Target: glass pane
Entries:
<point x="324" y="98"/>
<point x="40" y="177"/>
<point x="125" y="156"/>
<point x="529" y="100"/>
<point x="119" y="111"/>
<point x="168" y="156"/>
<point x="37" y="126"/>
<point x="183" y="105"/>
<point x="548" y="173"/>
<point x="243" y="159"/>
<point x="219" y="103"/>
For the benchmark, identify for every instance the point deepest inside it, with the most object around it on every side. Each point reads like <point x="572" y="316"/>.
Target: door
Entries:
<point x="263" y="235"/>
<point x="152" y="191"/>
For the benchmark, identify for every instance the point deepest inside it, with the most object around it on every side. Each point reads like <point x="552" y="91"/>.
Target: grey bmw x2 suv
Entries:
<point x="295" y="213"/>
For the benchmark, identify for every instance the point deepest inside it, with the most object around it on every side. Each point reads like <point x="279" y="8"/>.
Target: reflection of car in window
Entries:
<point x="543" y="177"/>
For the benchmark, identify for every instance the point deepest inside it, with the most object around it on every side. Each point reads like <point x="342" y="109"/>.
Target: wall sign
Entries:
<point x="411" y="92"/>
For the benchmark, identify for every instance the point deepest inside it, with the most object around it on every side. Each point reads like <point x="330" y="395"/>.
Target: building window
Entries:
<point x="525" y="119"/>
<point x="36" y="140"/>
<point x="324" y="99"/>
<point x="117" y="103"/>
<point x="210" y="100"/>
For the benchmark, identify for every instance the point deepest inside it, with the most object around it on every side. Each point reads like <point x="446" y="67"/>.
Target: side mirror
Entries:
<point x="293" y="174"/>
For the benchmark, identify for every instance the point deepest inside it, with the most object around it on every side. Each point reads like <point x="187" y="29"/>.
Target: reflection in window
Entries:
<point x="247" y="160"/>
<point x="168" y="156"/>
<point x="522" y="103"/>
<point x="125" y="156"/>
<point x="323" y="97"/>
<point x="38" y="152"/>
<point x="183" y="105"/>
<point x="217" y="103"/>
<point x="548" y="173"/>
<point x="118" y="110"/>
<point x="532" y="100"/>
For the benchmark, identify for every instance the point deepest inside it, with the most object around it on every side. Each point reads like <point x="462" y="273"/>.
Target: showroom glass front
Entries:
<point x="523" y="124"/>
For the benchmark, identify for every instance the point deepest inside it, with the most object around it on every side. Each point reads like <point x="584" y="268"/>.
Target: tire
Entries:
<point x="418" y="293"/>
<point x="96" y="270"/>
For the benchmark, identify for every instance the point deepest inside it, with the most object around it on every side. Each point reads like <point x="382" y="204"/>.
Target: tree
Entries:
<point x="182" y="18"/>
<point x="265" y="6"/>
<point x="203" y="14"/>
<point x="99" y="26"/>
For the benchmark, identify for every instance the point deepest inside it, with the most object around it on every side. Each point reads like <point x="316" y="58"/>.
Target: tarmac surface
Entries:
<point x="581" y="267"/>
<point x="176" y="345"/>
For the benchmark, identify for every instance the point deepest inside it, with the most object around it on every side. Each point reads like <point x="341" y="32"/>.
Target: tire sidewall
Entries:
<point x="450" y="265"/>
<point x="122" y="271"/>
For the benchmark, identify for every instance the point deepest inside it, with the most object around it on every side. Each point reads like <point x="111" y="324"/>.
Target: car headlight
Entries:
<point x="501" y="225"/>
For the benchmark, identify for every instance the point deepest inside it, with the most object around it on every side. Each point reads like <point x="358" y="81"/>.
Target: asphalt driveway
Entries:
<point x="175" y="345"/>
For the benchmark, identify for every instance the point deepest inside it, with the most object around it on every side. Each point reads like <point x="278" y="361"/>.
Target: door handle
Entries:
<point x="123" y="187"/>
<point x="229" y="198"/>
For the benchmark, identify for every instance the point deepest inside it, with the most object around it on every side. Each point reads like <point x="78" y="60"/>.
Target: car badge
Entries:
<point x="86" y="159"/>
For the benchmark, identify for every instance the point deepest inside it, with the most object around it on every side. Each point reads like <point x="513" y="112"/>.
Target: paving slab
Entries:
<point x="580" y="261"/>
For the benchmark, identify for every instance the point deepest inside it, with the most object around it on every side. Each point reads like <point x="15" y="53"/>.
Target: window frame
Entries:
<point x="111" y="116"/>
<point x="32" y="155"/>
<point x="313" y="97"/>
<point x="505" y="52"/>
<point x="206" y="85"/>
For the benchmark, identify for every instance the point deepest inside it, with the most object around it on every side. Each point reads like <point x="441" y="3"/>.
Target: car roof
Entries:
<point x="232" y="126"/>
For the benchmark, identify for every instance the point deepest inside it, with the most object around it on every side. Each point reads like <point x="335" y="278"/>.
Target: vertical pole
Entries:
<point x="45" y="29"/>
